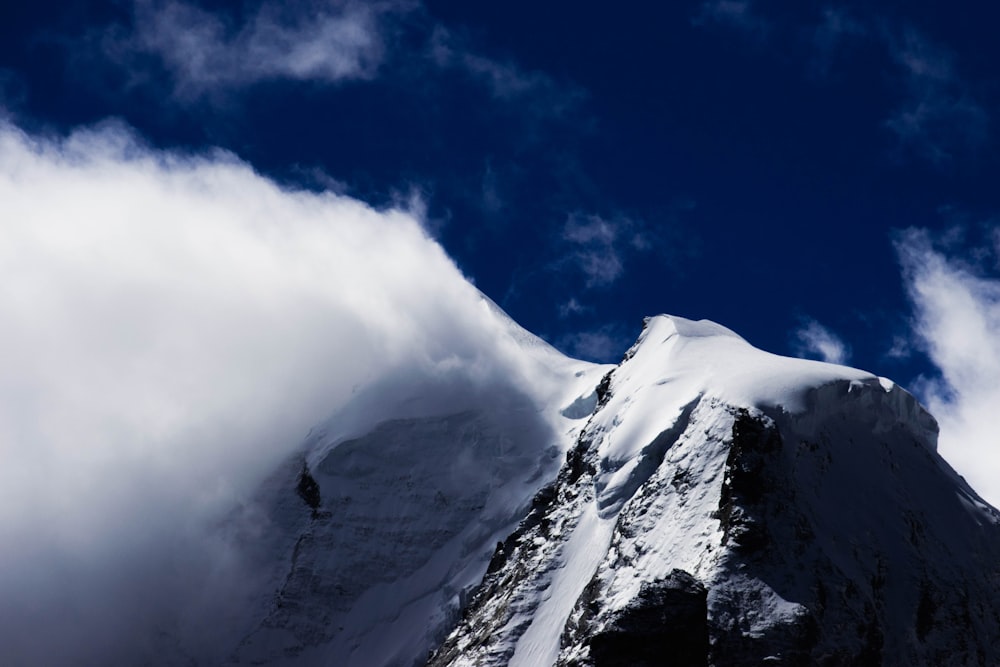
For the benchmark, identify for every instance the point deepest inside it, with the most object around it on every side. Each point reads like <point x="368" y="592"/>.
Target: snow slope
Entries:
<point x="413" y="484"/>
<point x="732" y="506"/>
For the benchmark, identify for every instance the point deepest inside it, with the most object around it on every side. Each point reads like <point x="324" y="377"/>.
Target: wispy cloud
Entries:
<point x="939" y="115"/>
<point x="491" y="200"/>
<point x="596" y="251"/>
<point x="814" y="340"/>
<point x="12" y="90"/>
<point x="605" y="344"/>
<point x="957" y="323"/>
<point x="599" y="246"/>
<point x="505" y="79"/>
<point x="738" y="14"/>
<point x="830" y="36"/>
<point x="208" y="53"/>
<point x="572" y="307"/>
<point x="593" y="252"/>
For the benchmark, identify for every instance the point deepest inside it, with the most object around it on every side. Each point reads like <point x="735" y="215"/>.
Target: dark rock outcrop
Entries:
<point x="666" y="624"/>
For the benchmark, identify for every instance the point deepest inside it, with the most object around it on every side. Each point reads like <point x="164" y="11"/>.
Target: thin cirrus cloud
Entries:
<point x="735" y="13"/>
<point x="206" y="53"/>
<point x="938" y="115"/>
<point x="172" y="327"/>
<point x="572" y="307"/>
<point x="598" y="249"/>
<point x="831" y="36"/>
<point x="957" y="324"/>
<point x="505" y="80"/>
<point x="598" y="246"/>
<point x="604" y="344"/>
<point x="812" y="339"/>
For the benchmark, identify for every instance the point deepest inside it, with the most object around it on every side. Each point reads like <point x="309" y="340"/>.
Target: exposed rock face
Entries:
<point x="308" y="490"/>
<point x="668" y="618"/>
<point x="808" y="526"/>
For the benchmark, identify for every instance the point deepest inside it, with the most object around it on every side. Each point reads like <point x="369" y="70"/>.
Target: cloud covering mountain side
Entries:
<point x="173" y="325"/>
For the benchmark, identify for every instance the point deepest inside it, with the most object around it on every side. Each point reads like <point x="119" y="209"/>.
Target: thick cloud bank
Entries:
<point x="171" y="328"/>
<point x="957" y="318"/>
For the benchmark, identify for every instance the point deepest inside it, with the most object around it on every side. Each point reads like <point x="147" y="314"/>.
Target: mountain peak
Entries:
<point x="779" y="510"/>
<point x="688" y="358"/>
<point x="703" y="499"/>
<point x="687" y="328"/>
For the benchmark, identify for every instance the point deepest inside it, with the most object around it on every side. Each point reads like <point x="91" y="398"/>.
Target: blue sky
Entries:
<point x="819" y="177"/>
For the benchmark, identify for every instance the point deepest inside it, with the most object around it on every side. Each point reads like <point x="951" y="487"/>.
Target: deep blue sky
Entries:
<point x="587" y="164"/>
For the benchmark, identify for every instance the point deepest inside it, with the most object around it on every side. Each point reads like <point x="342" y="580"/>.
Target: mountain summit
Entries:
<point x="701" y="503"/>
<point x="726" y="506"/>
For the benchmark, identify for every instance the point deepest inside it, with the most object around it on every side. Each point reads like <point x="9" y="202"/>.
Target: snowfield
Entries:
<point x="417" y="485"/>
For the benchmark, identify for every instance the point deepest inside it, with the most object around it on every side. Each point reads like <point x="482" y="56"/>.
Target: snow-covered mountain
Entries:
<point x="727" y="506"/>
<point x="374" y="534"/>
<point x="704" y="502"/>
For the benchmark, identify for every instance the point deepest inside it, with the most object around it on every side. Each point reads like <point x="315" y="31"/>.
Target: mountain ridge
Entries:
<point x="705" y="493"/>
<point x="702" y="501"/>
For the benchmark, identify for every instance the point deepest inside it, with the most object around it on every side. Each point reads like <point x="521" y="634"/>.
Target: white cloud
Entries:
<point x="172" y="327"/>
<point x="812" y="339"/>
<point x="207" y="53"/>
<point x="957" y="322"/>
